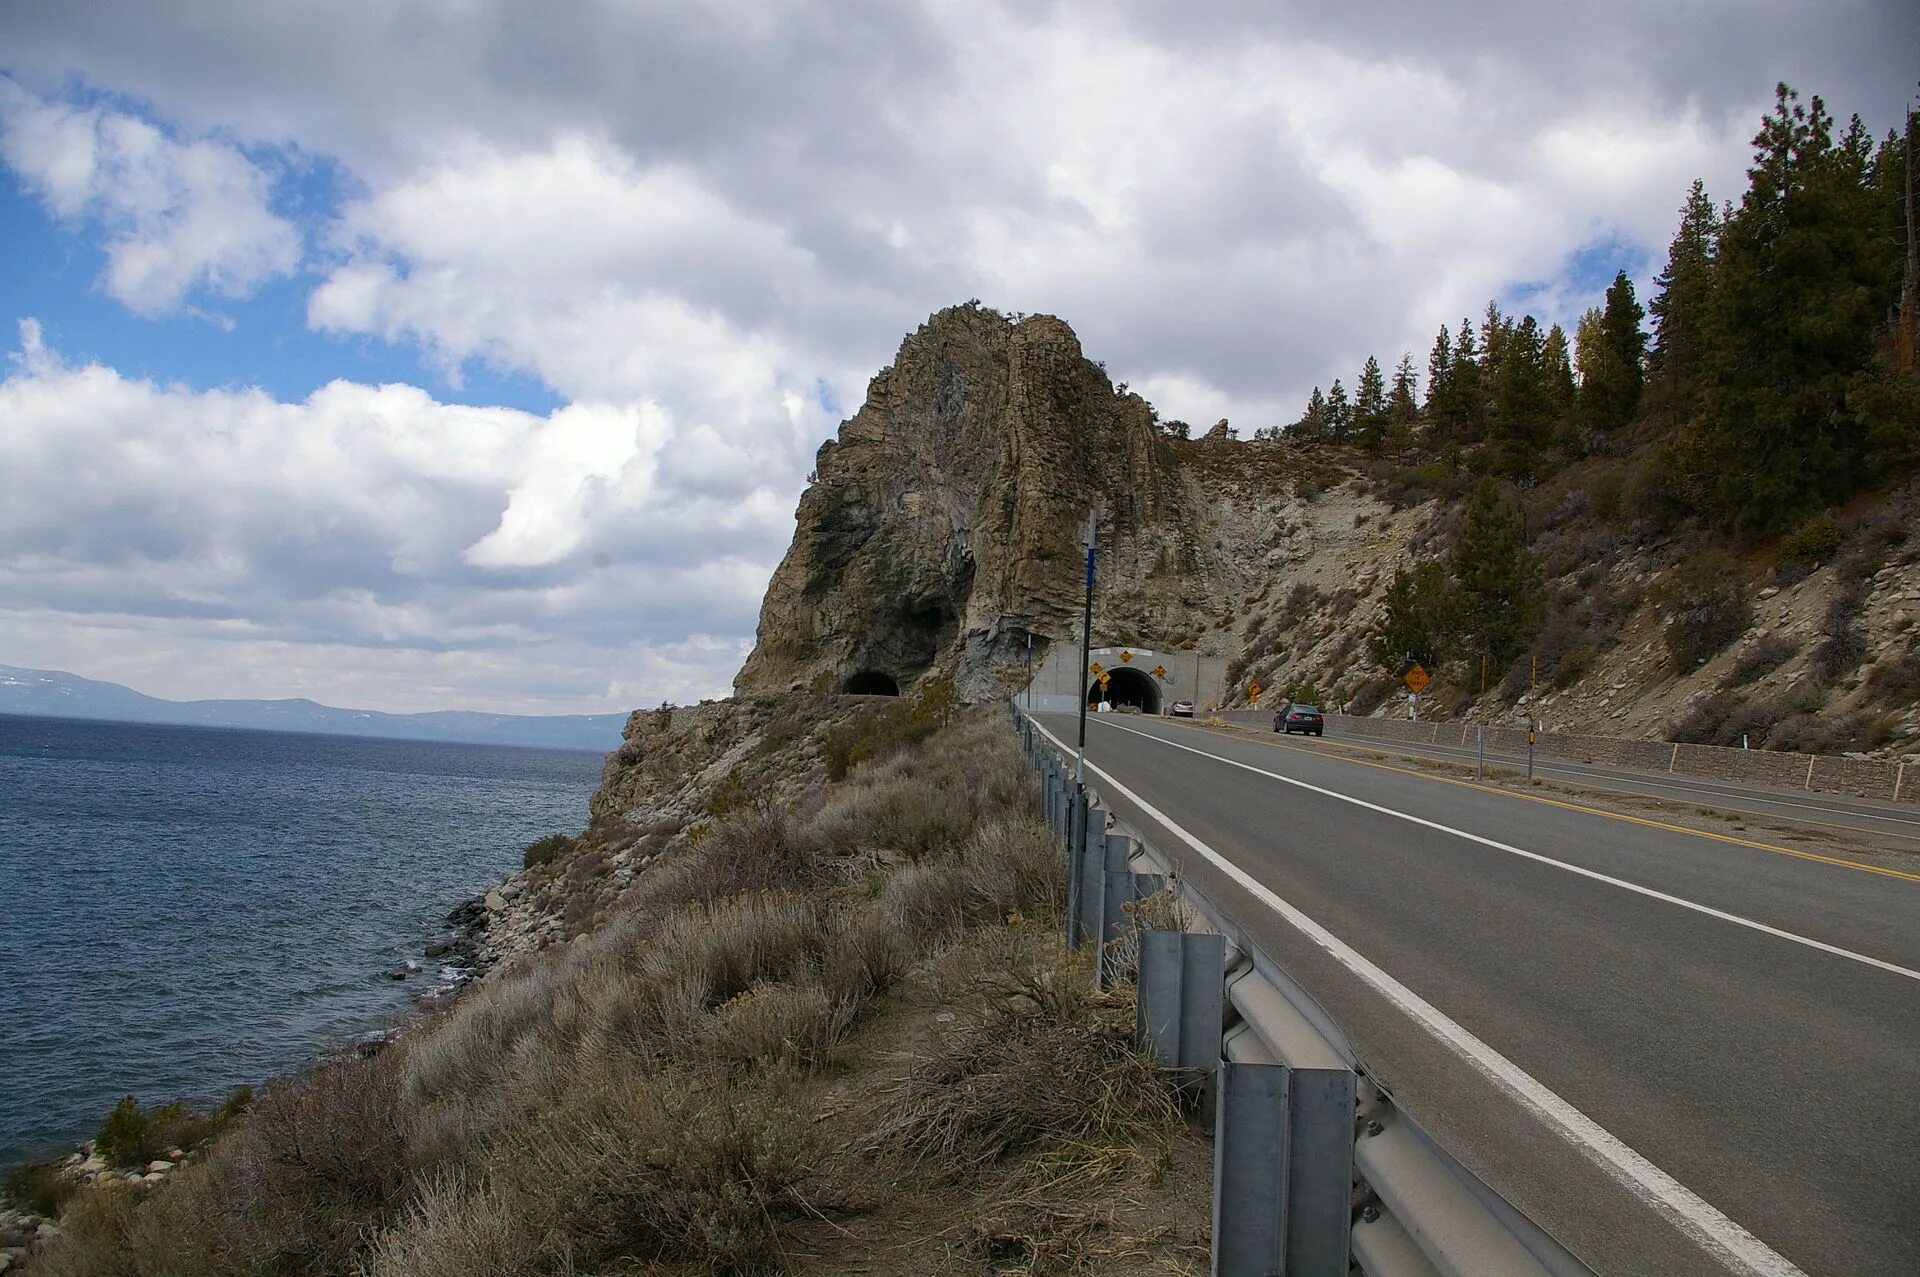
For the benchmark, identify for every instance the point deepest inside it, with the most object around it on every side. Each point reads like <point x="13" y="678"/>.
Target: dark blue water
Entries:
<point x="183" y="909"/>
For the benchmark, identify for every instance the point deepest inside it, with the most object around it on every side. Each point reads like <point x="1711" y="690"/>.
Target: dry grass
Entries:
<point x="296" y="1188"/>
<point x="667" y="1093"/>
<point x="1040" y="1060"/>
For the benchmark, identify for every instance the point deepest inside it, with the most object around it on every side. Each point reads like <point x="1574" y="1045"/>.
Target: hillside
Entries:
<point x="1702" y="532"/>
<point x="58" y="694"/>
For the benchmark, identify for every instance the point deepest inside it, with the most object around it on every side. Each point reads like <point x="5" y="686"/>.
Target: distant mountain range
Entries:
<point x="57" y="694"/>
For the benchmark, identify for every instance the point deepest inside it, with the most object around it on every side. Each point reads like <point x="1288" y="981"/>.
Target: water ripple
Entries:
<point x="188" y="908"/>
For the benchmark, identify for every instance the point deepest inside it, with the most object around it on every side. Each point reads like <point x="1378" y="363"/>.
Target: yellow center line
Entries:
<point x="1555" y="802"/>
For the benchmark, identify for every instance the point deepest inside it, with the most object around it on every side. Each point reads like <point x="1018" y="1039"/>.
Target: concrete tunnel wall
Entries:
<point x="1058" y="682"/>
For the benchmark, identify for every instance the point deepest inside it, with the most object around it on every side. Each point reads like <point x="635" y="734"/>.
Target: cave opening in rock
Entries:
<point x="1128" y="686"/>
<point x="871" y="683"/>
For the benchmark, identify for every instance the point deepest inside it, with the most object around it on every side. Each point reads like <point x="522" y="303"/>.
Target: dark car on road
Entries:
<point x="1300" y="718"/>
<point x="1180" y="709"/>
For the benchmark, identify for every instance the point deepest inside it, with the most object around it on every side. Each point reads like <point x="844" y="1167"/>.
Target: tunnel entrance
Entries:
<point x="1128" y="686"/>
<point x="871" y="683"/>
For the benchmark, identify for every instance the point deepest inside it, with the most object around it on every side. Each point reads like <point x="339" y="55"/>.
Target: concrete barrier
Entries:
<point x="1818" y="773"/>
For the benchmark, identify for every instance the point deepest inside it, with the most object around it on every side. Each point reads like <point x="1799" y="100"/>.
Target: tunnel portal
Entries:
<point x="1128" y="686"/>
<point x="871" y="683"/>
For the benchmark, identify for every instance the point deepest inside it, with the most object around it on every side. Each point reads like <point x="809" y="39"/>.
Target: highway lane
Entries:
<point x="1898" y="821"/>
<point x="1751" y="1030"/>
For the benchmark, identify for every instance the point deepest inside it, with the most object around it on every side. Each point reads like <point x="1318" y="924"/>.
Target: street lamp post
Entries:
<point x="1086" y="654"/>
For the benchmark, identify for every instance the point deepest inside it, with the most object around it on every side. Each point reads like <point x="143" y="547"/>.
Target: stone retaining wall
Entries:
<point x="1820" y="773"/>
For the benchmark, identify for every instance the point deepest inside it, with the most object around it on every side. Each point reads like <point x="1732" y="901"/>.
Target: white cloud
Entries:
<point x="375" y="530"/>
<point x="176" y="216"/>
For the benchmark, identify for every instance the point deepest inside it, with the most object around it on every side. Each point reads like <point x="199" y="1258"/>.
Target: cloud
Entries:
<point x="705" y="227"/>
<point x="376" y="524"/>
<point x="175" y="216"/>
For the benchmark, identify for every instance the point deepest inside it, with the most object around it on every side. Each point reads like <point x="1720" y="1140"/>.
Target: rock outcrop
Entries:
<point x="944" y="526"/>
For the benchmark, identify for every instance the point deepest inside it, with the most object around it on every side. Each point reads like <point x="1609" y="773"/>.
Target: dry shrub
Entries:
<point x="795" y="1025"/>
<point x="868" y="957"/>
<point x="1823" y="733"/>
<point x="1845" y="645"/>
<point x="296" y="1189"/>
<point x="624" y="1169"/>
<point x="474" y="1046"/>
<point x="1761" y="657"/>
<point x="1707" y="607"/>
<point x="730" y="946"/>
<point x="1043" y="1062"/>
<point x="38" y="1187"/>
<point x="1008" y="867"/>
<point x="758" y="849"/>
<point x="1897" y="681"/>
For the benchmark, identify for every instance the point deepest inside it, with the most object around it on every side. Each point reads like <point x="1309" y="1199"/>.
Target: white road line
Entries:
<point x="1711" y="912"/>
<point x="1702" y="1222"/>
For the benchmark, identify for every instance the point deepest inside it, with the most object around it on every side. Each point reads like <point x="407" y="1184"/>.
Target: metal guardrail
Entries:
<point x="1316" y="1171"/>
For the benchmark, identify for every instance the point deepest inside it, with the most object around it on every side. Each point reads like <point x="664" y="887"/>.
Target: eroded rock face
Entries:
<point x="945" y="523"/>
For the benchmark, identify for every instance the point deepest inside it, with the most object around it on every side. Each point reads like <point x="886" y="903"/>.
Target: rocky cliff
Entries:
<point x="944" y="526"/>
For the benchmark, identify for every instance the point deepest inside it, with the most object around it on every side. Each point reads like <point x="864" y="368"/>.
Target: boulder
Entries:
<point x="159" y="1164"/>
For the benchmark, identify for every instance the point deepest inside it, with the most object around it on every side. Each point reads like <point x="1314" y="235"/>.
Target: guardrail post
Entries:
<point x="1086" y="817"/>
<point x="1120" y="887"/>
<point x="1282" y="1171"/>
<point x="1181" y="1006"/>
<point x="1089" y="868"/>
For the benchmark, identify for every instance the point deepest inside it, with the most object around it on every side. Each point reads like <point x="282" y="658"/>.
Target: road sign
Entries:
<point x="1126" y="656"/>
<point x="1096" y="667"/>
<point x="1159" y="671"/>
<point x="1105" y="679"/>
<point x="1417" y="679"/>
<point x="1255" y="690"/>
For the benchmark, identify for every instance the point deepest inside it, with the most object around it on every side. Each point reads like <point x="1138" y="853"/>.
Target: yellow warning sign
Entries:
<point x="1096" y="667"/>
<point x="1105" y="679"/>
<point x="1417" y="679"/>
<point x="1159" y="671"/>
<point x="1126" y="656"/>
<point x="1255" y="690"/>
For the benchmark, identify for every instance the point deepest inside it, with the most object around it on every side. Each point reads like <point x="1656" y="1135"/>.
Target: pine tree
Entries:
<point x="1417" y="619"/>
<point x="1522" y="418"/>
<point x="1440" y="384"/>
<point x="1495" y="328"/>
<point x="1403" y="403"/>
<point x="1466" y="400"/>
<point x="1339" y="413"/>
<point x="1312" y="426"/>
<point x="1612" y="359"/>
<point x="1370" y="407"/>
<point x="1803" y="281"/>
<point x="1499" y="592"/>
<point x="1557" y="371"/>
<point x="1676" y="364"/>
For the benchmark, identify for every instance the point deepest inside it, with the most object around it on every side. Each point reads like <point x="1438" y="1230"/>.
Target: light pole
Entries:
<point x="1086" y="654"/>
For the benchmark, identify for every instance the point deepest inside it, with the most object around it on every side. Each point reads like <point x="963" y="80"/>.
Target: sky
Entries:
<point x="473" y="354"/>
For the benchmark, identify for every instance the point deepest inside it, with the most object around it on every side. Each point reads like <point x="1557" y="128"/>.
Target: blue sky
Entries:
<point x="415" y="362"/>
<point x="52" y="266"/>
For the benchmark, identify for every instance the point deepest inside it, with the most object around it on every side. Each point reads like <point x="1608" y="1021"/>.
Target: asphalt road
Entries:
<point x="1899" y="822"/>
<point x="1747" y="1021"/>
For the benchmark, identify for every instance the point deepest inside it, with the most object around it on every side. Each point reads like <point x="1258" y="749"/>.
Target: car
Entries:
<point x="1180" y="709"/>
<point x="1300" y="718"/>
